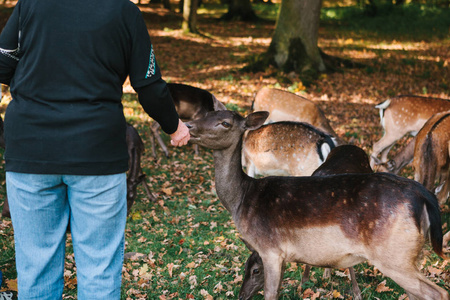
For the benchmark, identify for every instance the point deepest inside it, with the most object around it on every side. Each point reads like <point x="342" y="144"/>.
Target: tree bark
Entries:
<point x="190" y="16"/>
<point x="240" y="10"/>
<point x="294" y="45"/>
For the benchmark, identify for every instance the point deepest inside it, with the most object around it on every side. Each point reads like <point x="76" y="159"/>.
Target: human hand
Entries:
<point x="181" y="136"/>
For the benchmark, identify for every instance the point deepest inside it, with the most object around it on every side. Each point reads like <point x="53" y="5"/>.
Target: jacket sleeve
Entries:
<point x="10" y="47"/>
<point x="157" y="102"/>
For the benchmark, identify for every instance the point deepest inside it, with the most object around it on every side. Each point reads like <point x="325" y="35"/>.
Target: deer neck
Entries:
<point x="230" y="179"/>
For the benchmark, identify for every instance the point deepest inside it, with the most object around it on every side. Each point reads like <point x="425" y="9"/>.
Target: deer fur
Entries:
<point x="135" y="175"/>
<point x="328" y="221"/>
<point x="285" y="148"/>
<point x="287" y="106"/>
<point x="191" y="103"/>
<point x="431" y="155"/>
<point x="402" y="115"/>
<point x="341" y="160"/>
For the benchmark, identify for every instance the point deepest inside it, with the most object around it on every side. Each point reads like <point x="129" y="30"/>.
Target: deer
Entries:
<point x="432" y="157"/>
<point x="135" y="174"/>
<point x="401" y="115"/>
<point x="341" y="160"/>
<point x="191" y="103"/>
<point x="286" y="106"/>
<point x="327" y="221"/>
<point x="400" y="159"/>
<point x="285" y="148"/>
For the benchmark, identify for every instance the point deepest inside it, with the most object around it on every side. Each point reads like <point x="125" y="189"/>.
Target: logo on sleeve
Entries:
<point x="151" y="65"/>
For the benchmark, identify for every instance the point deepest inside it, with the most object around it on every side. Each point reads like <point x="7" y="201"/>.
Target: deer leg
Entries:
<point x="442" y="191"/>
<point x="152" y="141"/>
<point x="305" y="275"/>
<point x="356" y="291"/>
<point x="147" y="190"/>
<point x="382" y="146"/>
<point x="327" y="273"/>
<point x="416" y="285"/>
<point x="155" y="130"/>
<point x="272" y="276"/>
<point x="196" y="149"/>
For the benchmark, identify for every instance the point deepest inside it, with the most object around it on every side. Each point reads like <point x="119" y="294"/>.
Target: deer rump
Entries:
<point x="285" y="214"/>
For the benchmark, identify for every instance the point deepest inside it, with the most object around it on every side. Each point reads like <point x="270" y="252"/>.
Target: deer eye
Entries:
<point x="255" y="272"/>
<point x="225" y="124"/>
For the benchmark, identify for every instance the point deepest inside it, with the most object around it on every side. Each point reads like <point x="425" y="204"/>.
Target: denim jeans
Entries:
<point x="41" y="206"/>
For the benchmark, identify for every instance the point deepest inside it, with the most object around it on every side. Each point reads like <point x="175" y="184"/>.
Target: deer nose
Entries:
<point x="188" y="125"/>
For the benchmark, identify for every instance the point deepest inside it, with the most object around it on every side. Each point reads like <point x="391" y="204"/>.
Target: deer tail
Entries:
<point x="382" y="107"/>
<point x="428" y="174"/>
<point x="434" y="217"/>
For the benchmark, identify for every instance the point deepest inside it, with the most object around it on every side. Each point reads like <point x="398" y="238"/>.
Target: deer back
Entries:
<point x="405" y="114"/>
<point x="286" y="106"/>
<point x="285" y="148"/>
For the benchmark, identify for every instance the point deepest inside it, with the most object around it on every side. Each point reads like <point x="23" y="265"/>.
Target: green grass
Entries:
<point x="407" y="22"/>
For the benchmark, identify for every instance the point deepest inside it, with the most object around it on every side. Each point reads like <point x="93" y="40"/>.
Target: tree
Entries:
<point x="294" y="45"/>
<point x="190" y="16"/>
<point x="240" y="10"/>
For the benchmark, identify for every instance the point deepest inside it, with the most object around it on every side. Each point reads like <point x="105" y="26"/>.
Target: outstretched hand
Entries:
<point x="181" y="136"/>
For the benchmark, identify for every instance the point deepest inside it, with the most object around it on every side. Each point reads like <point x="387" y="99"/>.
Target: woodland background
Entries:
<point x="185" y="243"/>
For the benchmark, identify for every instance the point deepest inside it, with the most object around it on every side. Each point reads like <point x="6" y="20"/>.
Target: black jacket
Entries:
<point x="66" y="62"/>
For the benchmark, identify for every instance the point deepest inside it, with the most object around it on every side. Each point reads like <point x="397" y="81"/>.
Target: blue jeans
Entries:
<point x="41" y="206"/>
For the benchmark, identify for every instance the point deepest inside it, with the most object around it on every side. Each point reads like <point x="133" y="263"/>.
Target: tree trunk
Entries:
<point x="166" y="4"/>
<point x="190" y="16"/>
<point x="294" y="42"/>
<point x="240" y="10"/>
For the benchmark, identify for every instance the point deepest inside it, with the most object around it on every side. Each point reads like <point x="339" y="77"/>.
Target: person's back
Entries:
<point x="65" y="145"/>
<point x="74" y="58"/>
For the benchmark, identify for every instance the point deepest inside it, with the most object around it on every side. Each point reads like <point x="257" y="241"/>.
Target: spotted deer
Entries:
<point x="431" y="155"/>
<point x="329" y="221"/>
<point x="285" y="148"/>
<point x="287" y="106"/>
<point x="191" y="103"/>
<point x="402" y="115"/>
<point x="341" y="160"/>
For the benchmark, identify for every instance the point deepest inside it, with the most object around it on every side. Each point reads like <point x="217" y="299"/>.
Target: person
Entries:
<point x="66" y="155"/>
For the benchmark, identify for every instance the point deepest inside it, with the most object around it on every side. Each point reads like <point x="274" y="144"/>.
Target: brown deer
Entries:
<point x="287" y="106"/>
<point x="431" y="155"/>
<point x="402" y="115"/>
<point x="191" y="103"/>
<point x="328" y="221"/>
<point x="341" y="160"/>
<point x="285" y="148"/>
<point x="135" y="175"/>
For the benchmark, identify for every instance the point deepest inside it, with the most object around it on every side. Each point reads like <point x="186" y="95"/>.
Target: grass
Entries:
<point x="412" y="22"/>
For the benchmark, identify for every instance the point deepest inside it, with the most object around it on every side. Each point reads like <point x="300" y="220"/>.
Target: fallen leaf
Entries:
<point x="11" y="284"/>
<point x="382" y="287"/>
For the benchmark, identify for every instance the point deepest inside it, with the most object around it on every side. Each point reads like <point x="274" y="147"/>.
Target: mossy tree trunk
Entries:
<point x="294" y="45"/>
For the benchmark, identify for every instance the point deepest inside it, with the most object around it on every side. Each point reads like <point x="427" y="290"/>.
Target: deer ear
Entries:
<point x="256" y="119"/>
<point x="247" y="245"/>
